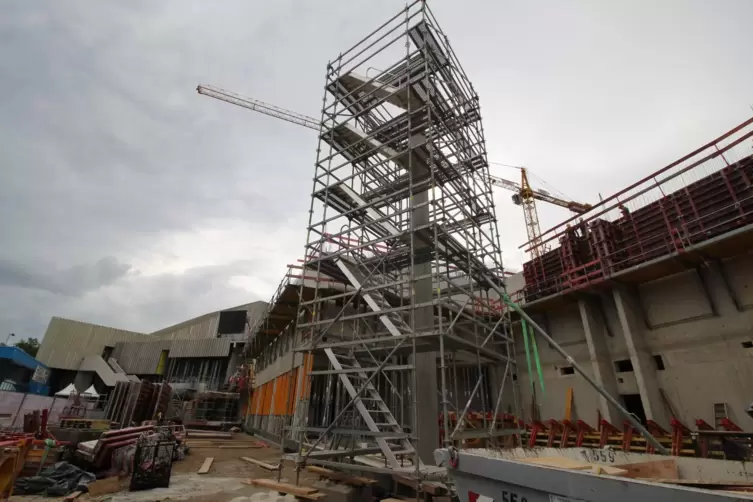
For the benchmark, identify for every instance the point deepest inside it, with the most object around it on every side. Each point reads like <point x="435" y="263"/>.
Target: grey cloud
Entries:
<point x="74" y="281"/>
<point x="107" y="150"/>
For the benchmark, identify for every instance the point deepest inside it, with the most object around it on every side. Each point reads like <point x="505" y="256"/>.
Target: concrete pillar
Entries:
<point x="426" y="426"/>
<point x="601" y="360"/>
<point x="236" y="359"/>
<point x="83" y="380"/>
<point x="634" y="330"/>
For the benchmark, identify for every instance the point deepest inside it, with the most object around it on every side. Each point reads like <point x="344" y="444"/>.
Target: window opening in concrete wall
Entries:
<point x="232" y="322"/>
<point x="623" y="366"/>
<point x="659" y="360"/>
<point x="566" y="370"/>
<point x="634" y="405"/>
<point x="747" y="344"/>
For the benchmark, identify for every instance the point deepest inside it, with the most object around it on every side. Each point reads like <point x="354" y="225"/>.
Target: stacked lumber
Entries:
<point x="727" y="486"/>
<point x="576" y="465"/>
<point x="340" y="477"/>
<point x="433" y="488"/>
<point x="665" y="471"/>
<point x="298" y="491"/>
<point x="261" y="464"/>
<point x="221" y="440"/>
<point x="657" y="471"/>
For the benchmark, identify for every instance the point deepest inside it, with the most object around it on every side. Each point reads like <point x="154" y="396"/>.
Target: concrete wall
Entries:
<point x="690" y="320"/>
<point x="680" y="344"/>
<point x="278" y="367"/>
<point x="67" y="342"/>
<point x="204" y="326"/>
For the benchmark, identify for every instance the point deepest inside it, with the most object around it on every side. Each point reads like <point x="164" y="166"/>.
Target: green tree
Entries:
<point x="30" y="346"/>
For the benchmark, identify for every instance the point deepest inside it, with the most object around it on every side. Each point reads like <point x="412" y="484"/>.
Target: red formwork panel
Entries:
<point x="712" y="206"/>
<point x="593" y="250"/>
<point x="543" y="275"/>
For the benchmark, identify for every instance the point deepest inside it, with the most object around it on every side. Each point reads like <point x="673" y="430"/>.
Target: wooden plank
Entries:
<point x="340" y="476"/>
<point x="104" y="486"/>
<point x="705" y="484"/>
<point x="72" y="496"/>
<point x="605" y="469"/>
<point x="561" y="462"/>
<point x="576" y="465"/>
<point x="201" y="433"/>
<point x="297" y="490"/>
<point x="206" y="465"/>
<point x="429" y="487"/>
<point x="569" y="404"/>
<point x="656" y="469"/>
<point x="225" y="446"/>
<point x="265" y="465"/>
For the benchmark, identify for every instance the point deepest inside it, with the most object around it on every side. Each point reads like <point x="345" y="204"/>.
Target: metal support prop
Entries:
<point x="628" y="416"/>
<point x="467" y="405"/>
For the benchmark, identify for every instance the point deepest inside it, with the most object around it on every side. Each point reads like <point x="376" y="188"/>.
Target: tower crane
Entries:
<point x="523" y="195"/>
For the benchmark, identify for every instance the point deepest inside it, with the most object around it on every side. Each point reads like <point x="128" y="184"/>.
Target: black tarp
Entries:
<point x="59" y="479"/>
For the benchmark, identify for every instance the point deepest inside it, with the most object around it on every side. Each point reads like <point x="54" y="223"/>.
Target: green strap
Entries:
<point x="538" y="362"/>
<point x="526" y="333"/>
<point x="48" y="444"/>
<point x="528" y="351"/>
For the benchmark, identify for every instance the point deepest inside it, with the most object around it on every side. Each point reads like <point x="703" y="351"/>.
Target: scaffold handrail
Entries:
<point x="727" y="142"/>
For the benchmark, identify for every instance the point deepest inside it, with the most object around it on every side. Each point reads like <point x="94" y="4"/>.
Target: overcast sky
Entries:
<point x="126" y="199"/>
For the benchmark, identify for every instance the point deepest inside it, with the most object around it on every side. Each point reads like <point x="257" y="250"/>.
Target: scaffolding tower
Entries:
<point x="403" y="250"/>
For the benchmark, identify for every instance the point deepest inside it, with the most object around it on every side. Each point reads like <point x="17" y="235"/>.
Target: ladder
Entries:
<point x="369" y="405"/>
<point x="720" y="413"/>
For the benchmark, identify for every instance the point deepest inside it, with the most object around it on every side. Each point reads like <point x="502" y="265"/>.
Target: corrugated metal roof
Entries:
<point x="215" y="347"/>
<point x="67" y="342"/>
<point x="205" y="326"/>
<point x="200" y="327"/>
<point x="140" y="358"/>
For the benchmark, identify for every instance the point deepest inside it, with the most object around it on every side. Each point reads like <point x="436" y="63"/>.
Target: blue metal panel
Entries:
<point x="19" y="357"/>
<point x="38" y="388"/>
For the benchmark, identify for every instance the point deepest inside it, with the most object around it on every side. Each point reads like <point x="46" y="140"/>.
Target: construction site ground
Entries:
<point x="223" y="482"/>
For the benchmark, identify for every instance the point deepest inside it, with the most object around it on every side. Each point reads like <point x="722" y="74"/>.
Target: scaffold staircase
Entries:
<point x="375" y="414"/>
<point x="381" y="425"/>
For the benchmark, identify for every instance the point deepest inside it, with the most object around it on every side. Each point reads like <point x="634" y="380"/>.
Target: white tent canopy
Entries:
<point x="90" y="392"/>
<point x="67" y="391"/>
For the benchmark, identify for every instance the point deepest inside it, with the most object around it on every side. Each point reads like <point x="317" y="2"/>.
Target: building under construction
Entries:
<point x="395" y="335"/>
<point x="398" y="332"/>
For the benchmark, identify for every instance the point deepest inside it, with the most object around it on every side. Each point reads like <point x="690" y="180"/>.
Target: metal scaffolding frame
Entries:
<point x="400" y="216"/>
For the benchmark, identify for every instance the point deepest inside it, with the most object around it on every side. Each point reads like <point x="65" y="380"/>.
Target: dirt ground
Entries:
<point x="221" y="484"/>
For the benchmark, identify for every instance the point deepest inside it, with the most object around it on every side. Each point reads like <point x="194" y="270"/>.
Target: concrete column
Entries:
<point x="496" y="374"/>
<point x="426" y="426"/>
<point x="601" y="361"/>
<point x="83" y="380"/>
<point x="628" y="311"/>
<point x="236" y="357"/>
